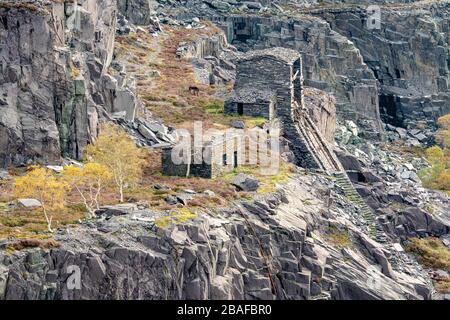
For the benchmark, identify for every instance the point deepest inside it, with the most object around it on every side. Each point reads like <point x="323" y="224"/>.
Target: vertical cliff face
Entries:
<point x="408" y="55"/>
<point x="54" y="85"/>
<point x="33" y="78"/>
<point x="322" y="110"/>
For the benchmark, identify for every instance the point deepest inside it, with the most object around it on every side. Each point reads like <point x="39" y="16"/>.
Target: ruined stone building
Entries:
<point x="219" y="155"/>
<point x="269" y="84"/>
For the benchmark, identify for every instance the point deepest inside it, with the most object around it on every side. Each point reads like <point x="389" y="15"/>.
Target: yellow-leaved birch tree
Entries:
<point x="116" y="150"/>
<point x="41" y="184"/>
<point x="89" y="181"/>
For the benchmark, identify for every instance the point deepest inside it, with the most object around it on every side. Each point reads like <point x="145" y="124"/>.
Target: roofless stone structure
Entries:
<point x="269" y="84"/>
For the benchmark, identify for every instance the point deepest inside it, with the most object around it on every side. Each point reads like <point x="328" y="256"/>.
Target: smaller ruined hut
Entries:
<point x="217" y="156"/>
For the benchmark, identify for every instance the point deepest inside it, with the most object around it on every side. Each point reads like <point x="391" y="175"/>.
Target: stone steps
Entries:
<point x="374" y="228"/>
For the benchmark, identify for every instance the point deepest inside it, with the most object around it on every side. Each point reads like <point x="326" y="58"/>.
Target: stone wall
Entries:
<point x="265" y="110"/>
<point x="271" y="74"/>
<point x="218" y="158"/>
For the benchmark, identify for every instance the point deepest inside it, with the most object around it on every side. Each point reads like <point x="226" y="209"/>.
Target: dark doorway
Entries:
<point x="241" y="32"/>
<point x="235" y="159"/>
<point x="240" y="109"/>
<point x="389" y="111"/>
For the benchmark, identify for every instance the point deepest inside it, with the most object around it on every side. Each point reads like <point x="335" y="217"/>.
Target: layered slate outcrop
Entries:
<point x="273" y="247"/>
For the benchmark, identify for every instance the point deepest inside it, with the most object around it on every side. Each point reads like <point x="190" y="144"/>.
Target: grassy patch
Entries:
<point x="23" y="223"/>
<point x="409" y="152"/>
<point x="255" y="122"/>
<point x="213" y="107"/>
<point x="338" y="237"/>
<point x="268" y="182"/>
<point x="32" y="243"/>
<point x="442" y="285"/>
<point x="179" y="216"/>
<point x="430" y="252"/>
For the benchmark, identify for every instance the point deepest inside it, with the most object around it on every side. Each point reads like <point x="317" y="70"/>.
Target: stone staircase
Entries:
<point x="325" y="160"/>
<point x="374" y="227"/>
<point x="315" y="145"/>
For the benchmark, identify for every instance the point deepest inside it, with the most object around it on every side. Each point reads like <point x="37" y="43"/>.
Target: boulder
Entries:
<point x="172" y="200"/>
<point x="352" y="127"/>
<point x="252" y="5"/>
<point x="184" y="198"/>
<point x="349" y="161"/>
<point x="156" y="127"/>
<point x="161" y="187"/>
<point x="220" y="5"/>
<point x="421" y="137"/>
<point x="209" y="193"/>
<point x="369" y="177"/>
<point x="29" y="203"/>
<point x="363" y="191"/>
<point x="238" y="124"/>
<point x="419" y="222"/>
<point x="244" y="182"/>
<point x="4" y="175"/>
<point x="116" y="210"/>
<point x="401" y="132"/>
<point x="147" y="133"/>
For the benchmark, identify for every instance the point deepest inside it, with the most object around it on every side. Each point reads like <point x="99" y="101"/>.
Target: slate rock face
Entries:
<point x="31" y="81"/>
<point x="408" y="56"/>
<point x="417" y="222"/>
<point x="138" y="12"/>
<point x="270" y="249"/>
<point x="53" y="82"/>
<point x="349" y="161"/>
<point x="330" y="61"/>
<point x="400" y="70"/>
